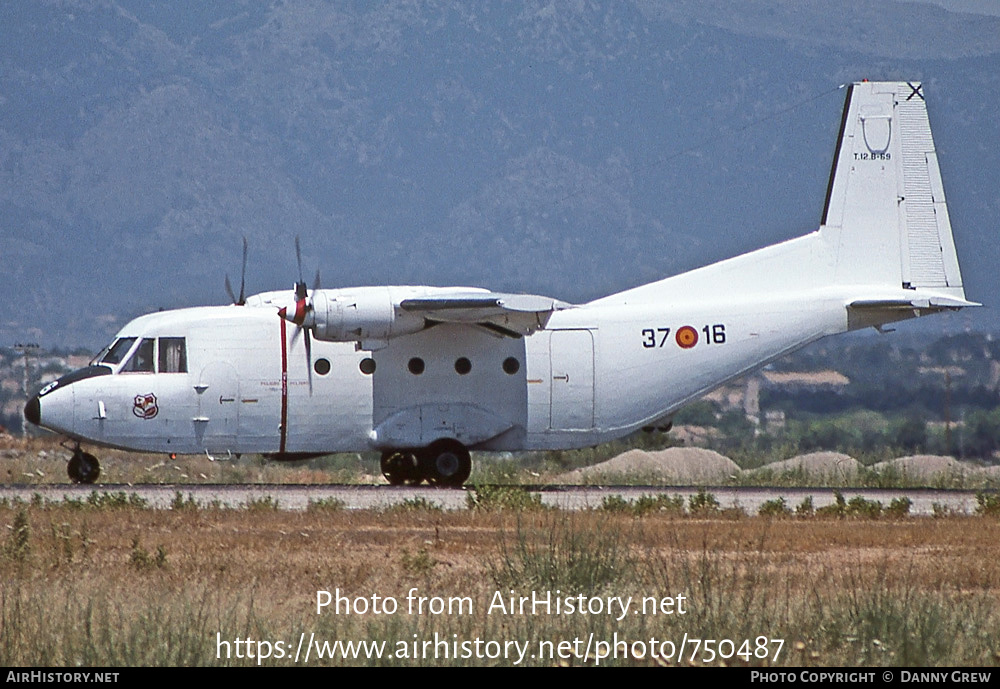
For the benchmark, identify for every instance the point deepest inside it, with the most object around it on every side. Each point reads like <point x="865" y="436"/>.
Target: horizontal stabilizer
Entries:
<point x="928" y="303"/>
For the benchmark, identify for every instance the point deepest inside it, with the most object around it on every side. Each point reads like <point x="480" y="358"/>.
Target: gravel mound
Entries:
<point x="814" y="465"/>
<point x="926" y="466"/>
<point x="673" y="465"/>
<point x="992" y="472"/>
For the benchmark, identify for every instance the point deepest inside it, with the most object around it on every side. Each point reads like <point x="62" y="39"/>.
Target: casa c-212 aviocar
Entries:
<point x="426" y="374"/>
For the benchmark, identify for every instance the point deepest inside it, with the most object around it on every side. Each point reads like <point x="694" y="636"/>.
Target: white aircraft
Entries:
<point x="424" y="374"/>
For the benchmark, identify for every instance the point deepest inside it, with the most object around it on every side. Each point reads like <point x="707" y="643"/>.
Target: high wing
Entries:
<point x="513" y="315"/>
<point x="372" y="316"/>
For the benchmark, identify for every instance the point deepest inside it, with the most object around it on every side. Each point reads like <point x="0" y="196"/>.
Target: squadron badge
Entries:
<point x="145" y="406"/>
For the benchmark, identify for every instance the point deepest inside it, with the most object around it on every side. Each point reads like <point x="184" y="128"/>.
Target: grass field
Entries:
<point x="113" y="583"/>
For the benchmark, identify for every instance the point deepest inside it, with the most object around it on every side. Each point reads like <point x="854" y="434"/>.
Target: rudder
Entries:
<point x="885" y="210"/>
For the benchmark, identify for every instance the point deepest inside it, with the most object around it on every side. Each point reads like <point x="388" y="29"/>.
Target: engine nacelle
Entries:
<point x="363" y="314"/>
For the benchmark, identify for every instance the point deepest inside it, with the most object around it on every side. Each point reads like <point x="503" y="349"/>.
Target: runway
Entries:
<point x="361" y="497"/>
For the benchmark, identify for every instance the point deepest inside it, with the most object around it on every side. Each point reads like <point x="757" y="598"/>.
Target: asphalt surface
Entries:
<point x="298" y="497"/>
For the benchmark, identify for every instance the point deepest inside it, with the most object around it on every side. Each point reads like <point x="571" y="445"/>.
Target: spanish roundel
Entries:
<point x="687" y="337"/>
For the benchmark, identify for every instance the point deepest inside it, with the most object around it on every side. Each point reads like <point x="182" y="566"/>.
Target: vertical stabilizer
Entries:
<point x="885" y="215"/>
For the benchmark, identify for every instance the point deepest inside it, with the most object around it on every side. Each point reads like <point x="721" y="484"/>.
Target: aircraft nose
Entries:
<point x="33" y="411"/>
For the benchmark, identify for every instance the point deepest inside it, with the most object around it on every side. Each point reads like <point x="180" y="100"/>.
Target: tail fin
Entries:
<point x="885" y="215"/>
<point x="885" y="240"/>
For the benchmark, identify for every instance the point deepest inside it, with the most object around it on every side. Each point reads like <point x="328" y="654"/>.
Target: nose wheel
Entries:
<point x="83" y="467"/>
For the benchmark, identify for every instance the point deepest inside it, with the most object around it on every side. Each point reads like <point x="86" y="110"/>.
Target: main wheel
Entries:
<point x="446" y="463"/>
<point x="83" y="467"/>
<point x="399" y="467"/>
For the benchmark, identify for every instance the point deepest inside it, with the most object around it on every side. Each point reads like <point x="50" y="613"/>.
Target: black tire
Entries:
<point x="83" y="467"/>
<point x="399" y="467"/>
<point x="446" y="463"/>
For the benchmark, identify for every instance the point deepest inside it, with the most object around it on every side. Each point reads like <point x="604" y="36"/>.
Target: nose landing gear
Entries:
<point x="83" y="467"/>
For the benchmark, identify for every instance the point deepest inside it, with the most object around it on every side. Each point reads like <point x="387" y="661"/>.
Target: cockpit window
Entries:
<point x="173" y="355"/>
<point x="117" y="351"/>
<point x="142" y="359"/>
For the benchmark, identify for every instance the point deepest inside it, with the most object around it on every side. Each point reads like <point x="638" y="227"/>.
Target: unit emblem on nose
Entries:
<point x="145" y="406"/>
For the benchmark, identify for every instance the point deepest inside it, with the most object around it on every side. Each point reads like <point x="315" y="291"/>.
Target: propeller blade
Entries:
<point x="243" y="275"/>
<point x="300" y="286"/>
<point x="309" y="368"/>
<point x="316" y="284"/>
<point x="298" y="256"/>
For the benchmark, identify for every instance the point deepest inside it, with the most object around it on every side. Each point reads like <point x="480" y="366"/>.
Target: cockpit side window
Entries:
<point x="173" y="355"/>
<point x="116" y="352"/>
<point x="142" y="359"/>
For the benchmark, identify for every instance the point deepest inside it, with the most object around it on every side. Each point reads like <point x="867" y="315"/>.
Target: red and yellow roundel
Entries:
<point x="687" y="337"/>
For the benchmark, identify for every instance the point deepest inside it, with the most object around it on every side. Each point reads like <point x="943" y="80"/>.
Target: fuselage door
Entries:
<point x="217" y="421"/>
<point x="571" y="354"/>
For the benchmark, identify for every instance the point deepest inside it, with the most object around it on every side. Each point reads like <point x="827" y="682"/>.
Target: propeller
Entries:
<point x="303" y="308"/>
<point x="243" y="274"/>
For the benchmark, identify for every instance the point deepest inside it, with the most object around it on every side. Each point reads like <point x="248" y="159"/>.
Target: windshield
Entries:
<point x="117" y="351"/>
<point x="142" y="360"/>
<point x="100" y="355"/>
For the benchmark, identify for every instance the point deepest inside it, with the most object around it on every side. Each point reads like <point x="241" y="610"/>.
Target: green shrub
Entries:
<point x="325" y="505"/>
<point x="673" y="504"/>
<point x="838" y="509"/>
<point x="141" y="559"/>
<point x="805" y="508"/>
<point x="116" y="501"/>
<point x="899" y="507"/>
<point x="417" y="504"/>
<point x="703" y="502"/>
<point x="511" y="498"/>
<point x="775" y="508"/>
<point x="262" y="504"/>
<point x="616" y="503"/>
<point x="988" y="504"/>
<point x="179" y="503"/>
<point x="420" y="564"/>
<point x="865" y="509"/>
<point x="19" y="543"/>
<point x="644" y="504"/>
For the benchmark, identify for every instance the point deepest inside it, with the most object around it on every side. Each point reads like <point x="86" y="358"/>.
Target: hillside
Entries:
<point x="564" y="149"/>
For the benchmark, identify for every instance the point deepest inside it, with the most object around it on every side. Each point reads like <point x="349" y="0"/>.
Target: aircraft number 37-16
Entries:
<point x="685" y="337"/>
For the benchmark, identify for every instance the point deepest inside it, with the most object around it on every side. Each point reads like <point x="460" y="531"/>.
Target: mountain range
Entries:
<point x="568" y="148"/>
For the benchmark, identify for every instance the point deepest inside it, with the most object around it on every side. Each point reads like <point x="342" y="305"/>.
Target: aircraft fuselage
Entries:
<point x="594" y="374"/>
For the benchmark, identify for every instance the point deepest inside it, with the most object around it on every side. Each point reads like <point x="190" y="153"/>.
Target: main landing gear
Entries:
<point x="443" y="463"/>
<point x="83" y="467"/>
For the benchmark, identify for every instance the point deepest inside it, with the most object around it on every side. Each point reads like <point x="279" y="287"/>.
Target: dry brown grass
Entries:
<point x="43" y="461"/>
<point x="143" y="587"/>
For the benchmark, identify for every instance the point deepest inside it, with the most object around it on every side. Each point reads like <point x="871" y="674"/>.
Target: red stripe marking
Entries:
<point x="284" y="383"/>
